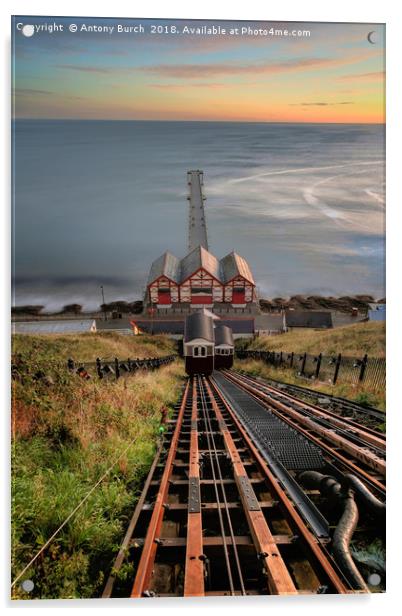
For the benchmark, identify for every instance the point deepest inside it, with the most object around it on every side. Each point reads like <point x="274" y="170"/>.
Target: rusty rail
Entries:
<point x="359" y="459"/>
<point x="316" y="549"/>
<point x="366" y="434"/>
<point x="150" y="546"/>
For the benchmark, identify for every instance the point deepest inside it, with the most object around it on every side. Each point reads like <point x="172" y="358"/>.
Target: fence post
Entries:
<point x="317" y="370"/>
<point x="116" y="368"/>
<point x="292" y="355"/>
<point x="129" y="364"/>
<point x="70" y="364"/>
<point x="99" y="368"/>
<point x="337" y="366"/>
<point x="303" y="363"/>
<point x="281" y="359"/>
<point x="363" y="367"/>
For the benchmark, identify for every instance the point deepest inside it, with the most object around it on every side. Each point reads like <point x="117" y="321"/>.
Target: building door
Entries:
<point x="239" y="295"/>
<point x="164" y="296"/>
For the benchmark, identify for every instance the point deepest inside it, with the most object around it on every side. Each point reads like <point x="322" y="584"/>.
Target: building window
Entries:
<point x="199" y="351"/>
<point x="223" y="351"/>
<point x="201" y="290"/>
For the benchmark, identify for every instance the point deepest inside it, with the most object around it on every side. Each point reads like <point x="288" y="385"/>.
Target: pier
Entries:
<point x="197" y="232"/>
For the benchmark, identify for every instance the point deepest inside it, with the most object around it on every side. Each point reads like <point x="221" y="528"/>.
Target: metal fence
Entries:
<point x="332" y="368"/>
<point x="117" y="367"/>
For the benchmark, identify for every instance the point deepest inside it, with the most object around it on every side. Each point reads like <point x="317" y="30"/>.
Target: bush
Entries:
<point x="31" y="310"/>
<point x="72" y="309"/>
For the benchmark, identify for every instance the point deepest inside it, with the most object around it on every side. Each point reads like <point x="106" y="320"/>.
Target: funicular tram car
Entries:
<point x="199" y="343"/>
<point x="224" y="347"/>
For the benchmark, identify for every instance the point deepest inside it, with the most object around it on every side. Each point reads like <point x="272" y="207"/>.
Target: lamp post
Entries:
<point x="152" y="312"/>
<point x="103" y="302"/>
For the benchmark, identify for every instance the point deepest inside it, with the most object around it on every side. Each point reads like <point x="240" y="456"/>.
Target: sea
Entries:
<point x="95" y="202"/>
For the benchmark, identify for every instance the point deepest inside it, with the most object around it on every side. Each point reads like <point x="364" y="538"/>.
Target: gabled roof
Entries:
<point x="199" y="258"/>
<point x="199" y="325"/>
<point x="180" y="270"/>
<point x="234" y="265"/>
<point x="223" y="335"/>
<point x="308" y="318"/>
<point x="167" y="265"/>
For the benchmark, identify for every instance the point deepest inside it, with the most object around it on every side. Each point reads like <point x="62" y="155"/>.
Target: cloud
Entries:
<point x="180" y="86"/>
<point x="86" y="69"/>
<point x="32" y="92"/>
<point x="193" y="71"/>
<point x="363" y="76"/>
<point x="320" y="104"/>
<point x="23" y="92"/>
<point x="207" y="70"/>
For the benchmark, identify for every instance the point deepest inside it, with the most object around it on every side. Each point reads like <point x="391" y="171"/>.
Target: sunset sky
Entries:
<point x="334" y="75"/>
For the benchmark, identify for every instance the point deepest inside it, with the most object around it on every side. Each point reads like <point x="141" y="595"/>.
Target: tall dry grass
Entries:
<point x="354" y="340"/>
<point x="87" y="347"/>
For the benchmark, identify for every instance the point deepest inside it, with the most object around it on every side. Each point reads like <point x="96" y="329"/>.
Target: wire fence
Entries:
<point x="332" y="368"/>
<point x="117" y="367"/>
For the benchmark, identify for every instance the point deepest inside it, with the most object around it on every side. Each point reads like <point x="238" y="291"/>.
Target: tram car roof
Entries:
<point x="223" y="335"/>
<point x="199" y="325"/>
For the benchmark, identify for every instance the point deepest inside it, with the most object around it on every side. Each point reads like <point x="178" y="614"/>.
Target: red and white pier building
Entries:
<point x="199" y="279"/>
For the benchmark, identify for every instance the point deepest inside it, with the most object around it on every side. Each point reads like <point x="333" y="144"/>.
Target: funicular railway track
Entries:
<point x="363" y="415"/>
<point x="357" y="422"/>
<point x="219" y="516"/>
<point x="362" y="434"/>
<point x="348" y="445"/>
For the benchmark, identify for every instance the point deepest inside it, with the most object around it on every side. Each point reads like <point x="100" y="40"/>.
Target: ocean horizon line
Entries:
<point x="26" y="119"/>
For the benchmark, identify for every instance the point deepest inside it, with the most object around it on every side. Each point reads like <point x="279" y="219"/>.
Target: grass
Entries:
<point x="362" y="393"/>
<point x="66" y="433"/>
<point x="354" y="340"/>
<point x="87" y="347"/>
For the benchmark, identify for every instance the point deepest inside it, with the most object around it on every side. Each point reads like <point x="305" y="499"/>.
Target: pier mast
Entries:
<point x="197" y="229"/>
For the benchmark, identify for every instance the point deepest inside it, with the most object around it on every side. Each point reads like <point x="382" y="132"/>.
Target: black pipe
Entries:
<point x="365" y="497"/>
<point x="341" y="540"/>
<point x="326" y="485"/>
<point x="346" y="526"/>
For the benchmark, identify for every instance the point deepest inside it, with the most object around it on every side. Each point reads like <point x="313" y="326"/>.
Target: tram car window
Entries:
<point x="224" y="347"/>
<point x="199" y="343"/>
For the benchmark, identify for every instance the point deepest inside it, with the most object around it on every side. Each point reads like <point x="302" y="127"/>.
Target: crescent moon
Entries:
<point x="371" y="37"/>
